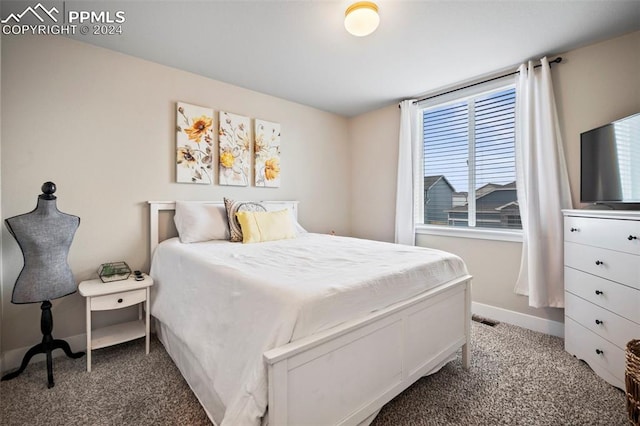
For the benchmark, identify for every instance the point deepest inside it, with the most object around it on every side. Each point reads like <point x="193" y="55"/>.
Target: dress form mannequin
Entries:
<point x="44" y="236"/>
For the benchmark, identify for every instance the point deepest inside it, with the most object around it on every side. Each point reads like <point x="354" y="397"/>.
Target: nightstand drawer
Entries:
<point x="615" y="266"/>
<point x="608" y="325"/>
<point x="118" y="300"/>
<point x="607" y="233"/>
<point x="617" y="298"/>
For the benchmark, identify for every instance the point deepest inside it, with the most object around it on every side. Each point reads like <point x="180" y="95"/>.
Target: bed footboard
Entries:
<point x="346" y="374"/>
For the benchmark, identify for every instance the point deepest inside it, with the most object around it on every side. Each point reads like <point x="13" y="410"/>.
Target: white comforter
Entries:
<point x="231" y="302"/>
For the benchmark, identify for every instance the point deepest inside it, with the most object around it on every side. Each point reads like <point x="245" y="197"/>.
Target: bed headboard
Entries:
<point x="160" y="230"/>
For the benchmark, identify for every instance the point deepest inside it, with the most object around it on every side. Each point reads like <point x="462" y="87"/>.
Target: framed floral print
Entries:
<point x="267" y="154"/>
<point x="194" y="144"/>
<point x="234" y="139"/>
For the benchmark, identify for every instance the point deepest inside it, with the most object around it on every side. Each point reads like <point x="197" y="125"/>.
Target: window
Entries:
<point x="469" y="161"/>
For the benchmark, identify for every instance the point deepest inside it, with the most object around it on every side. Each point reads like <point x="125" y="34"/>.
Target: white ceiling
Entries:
<point x="300" y="51"/>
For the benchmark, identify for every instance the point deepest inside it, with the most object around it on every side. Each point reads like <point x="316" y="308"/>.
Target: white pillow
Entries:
<point x="197" y="222"/>
<point x="299" y="228"/>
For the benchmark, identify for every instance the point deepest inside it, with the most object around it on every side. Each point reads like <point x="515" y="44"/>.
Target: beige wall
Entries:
<point x="101" y="126"/>
<point x="374" y="146"/>
<point x="593" y="85"/>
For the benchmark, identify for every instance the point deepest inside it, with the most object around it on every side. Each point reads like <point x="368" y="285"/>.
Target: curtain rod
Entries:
<point x="555" y="61"/>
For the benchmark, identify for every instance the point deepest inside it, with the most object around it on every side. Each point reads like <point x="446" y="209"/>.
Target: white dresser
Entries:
<point x="602" y="287"/>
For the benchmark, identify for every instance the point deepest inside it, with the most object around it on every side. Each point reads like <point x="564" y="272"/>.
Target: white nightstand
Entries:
<point x="116" y="295"/>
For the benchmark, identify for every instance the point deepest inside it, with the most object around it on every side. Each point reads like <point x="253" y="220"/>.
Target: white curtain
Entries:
<point x="408" y="173"/>
<point x="543" y="187"/>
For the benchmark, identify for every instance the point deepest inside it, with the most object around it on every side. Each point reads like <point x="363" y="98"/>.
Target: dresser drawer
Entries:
<point x="118" y="300"/>
<point x="606" y="233"/>
<point x="606" y="324"/>
<point x="623" y="268"/>
<point x="617" y="298"/>
<point x="608" y="363"/>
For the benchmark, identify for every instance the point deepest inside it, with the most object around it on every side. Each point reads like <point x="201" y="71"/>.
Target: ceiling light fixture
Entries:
<point x="361" y="18"/>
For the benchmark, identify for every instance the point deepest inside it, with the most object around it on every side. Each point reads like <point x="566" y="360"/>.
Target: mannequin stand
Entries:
<point x="46" y="347"/>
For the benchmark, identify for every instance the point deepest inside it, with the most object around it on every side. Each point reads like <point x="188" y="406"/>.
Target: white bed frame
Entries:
<point x="344" y="375"/>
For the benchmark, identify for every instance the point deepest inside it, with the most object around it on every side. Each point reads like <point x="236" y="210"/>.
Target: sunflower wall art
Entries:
<point x="235" y="144"/>
<point x="267" y="152"/>
<point x="194" y="142"/>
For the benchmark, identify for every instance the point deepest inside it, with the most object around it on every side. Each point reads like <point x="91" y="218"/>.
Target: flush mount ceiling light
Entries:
<point x="361" y="18"/>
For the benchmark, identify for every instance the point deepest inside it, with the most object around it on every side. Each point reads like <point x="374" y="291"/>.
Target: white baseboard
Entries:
<point x="13" y="358"/>
<point x="542" y="325"/>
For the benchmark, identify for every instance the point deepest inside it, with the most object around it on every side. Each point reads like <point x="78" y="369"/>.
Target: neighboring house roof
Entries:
<point x="486" y="189"/>
<point x="511" y="204"/>
<point x="490" y="187"/>
<point x="490" y="206"/>
<point x="429" y="181"/>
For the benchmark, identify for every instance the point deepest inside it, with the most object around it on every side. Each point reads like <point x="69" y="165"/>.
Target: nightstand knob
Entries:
<point x="599" y="262"/>
<point x="632" y="237"/>
<point x="599" y="352"/>
<point x="574" y="229"/>
<point x="598" y="292"/>
<point x="119" y="300"/>
<point x="599" y="322"/>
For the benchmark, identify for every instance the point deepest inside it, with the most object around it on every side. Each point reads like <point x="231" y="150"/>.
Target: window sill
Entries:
<point x="514" y="235"/>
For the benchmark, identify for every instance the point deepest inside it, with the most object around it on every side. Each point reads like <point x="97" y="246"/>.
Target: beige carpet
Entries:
<point x="517" y="377"/>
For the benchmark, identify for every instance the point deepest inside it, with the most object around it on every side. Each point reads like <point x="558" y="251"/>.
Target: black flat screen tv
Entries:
<point x="610" y="162"/>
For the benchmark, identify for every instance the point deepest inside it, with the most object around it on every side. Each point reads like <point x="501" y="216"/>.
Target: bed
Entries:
<point x="295" y="332"/>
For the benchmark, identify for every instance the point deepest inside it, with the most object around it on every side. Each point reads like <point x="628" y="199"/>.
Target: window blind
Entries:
<point x="469" y="162"/>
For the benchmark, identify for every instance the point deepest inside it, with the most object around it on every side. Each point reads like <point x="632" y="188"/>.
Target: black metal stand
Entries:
<point x="46" y="347"/>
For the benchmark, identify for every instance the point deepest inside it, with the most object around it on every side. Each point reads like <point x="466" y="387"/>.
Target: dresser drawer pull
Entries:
<point x="119" y="300"/>
<point x="574" y="229"/>
<point x="598" y="293"/>
<point x="599" y="262"/>
<point x="632" y="237"/>
<point x="599" y="352"/>
<point x="599" y="322"/>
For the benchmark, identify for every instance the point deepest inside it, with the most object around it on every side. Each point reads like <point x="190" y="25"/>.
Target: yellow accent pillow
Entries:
<point x="265" y="226"/>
